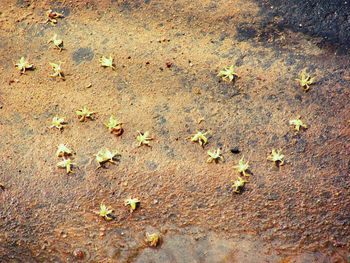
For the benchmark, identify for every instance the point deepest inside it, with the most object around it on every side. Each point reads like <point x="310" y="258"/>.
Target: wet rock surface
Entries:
<point x="82" y="54"/>
<point x="167" y="56"/>
<point x="317" y="18"/>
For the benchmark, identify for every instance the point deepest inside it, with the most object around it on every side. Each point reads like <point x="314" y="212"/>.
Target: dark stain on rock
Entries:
<point x="298" y="98"/>
<point x="82" y="54"/>
<point x="272" y="196"/>
<point x="320" y="18"/>
<point x="37" y="30"/>
<point x="64" y="10"/>
<point x="59" y="6"/>
<point x="151" y="165"/>
<point x="223" y="36"/>
<point x="127" y="6"/>
<point x="162" y="108"/>
<point x="160" y="120"/>
<point x="245" y="32"/>
<point x="231" y="53"/>
<point x="301" y="145"/>
<point x="228" y="90"/>
<point x="169" y="151"/>
<point x="341" y="181"/>
<point x="22" y="3"/>
<point x="253" y="143"/>
<point x="120" y="84"/>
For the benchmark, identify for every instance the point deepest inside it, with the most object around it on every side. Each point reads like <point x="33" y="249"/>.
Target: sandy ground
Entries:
<point x="167" y="55"/>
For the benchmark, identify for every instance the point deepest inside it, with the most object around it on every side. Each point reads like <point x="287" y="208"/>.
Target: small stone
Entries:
<point x="235" y="150"/>
<point x="78" y="253"/>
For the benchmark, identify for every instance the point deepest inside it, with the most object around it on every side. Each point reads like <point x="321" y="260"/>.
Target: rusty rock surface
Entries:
<point x="167" y="55"/>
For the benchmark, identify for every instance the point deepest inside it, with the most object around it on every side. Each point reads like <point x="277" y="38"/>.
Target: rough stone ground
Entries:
<point x="167" y="55"/>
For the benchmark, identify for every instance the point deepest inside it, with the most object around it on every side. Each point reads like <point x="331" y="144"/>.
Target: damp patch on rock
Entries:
<point x="151" y="165"/>
<point x="82" y="54"/>
<point x="245" y="33"/>
<point x="319" y="18"/>
<point x="22" y="3"/>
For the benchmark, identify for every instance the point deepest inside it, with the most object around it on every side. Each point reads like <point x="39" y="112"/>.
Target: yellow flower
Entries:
<point x="57" y="122"/>
<point x="200" y="137"/>
<point x="104" y="155"/>
<point x="84" y="113"/>
<point x="58" y="43"/>
<point x="215" y="156"/>
<point x="238" y="184"/>
<point x="107" y="62"/>
<point x="297" y="123"/>
<point x="114" y="126"/>
<point x="105" y="212"/>
<point x="152" y="239"/>
<point x="133" y="202"/>
<point x="277" y="157"/>
<point x="143" y="138"/>
<point x="57" y="70"/>
<point x="242" y="167"/>
<point x="23" y="64"/>
<point x="228" y="73"/>
<point x="66" y="163"/>
<point x="305" y="80"/>
<point x="52" y="16"/>
<point x="62" y="150"/>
